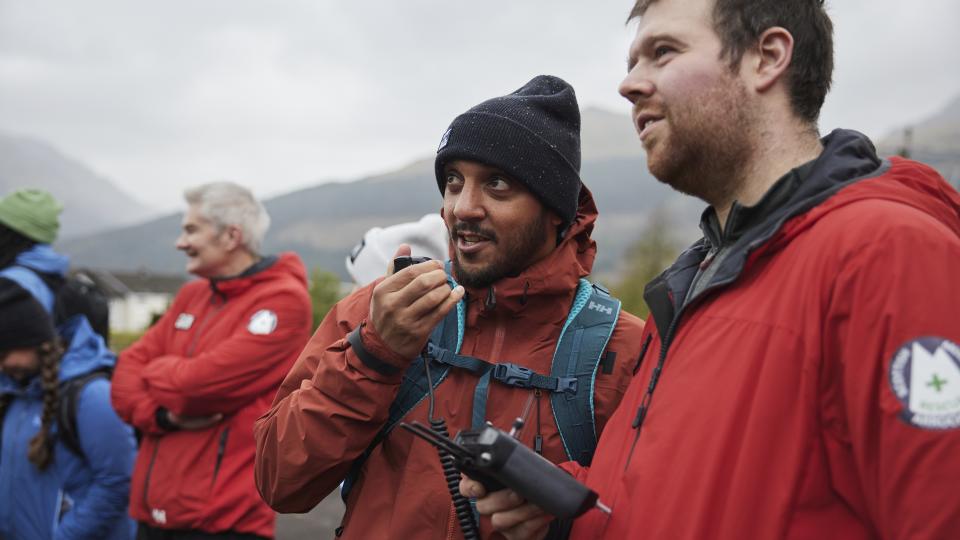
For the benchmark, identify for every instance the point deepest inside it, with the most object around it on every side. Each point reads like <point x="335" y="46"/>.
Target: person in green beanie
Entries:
<point x="33" y="213"/>
<point x="29" y="223"/>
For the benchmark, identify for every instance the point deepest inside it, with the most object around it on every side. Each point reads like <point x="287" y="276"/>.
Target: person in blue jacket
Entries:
<point x="48" y="490"/>
<point x="29" y="223"/>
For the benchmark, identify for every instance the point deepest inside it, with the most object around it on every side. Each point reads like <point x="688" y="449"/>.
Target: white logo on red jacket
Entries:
<point x="925" y="377"/>
<point x="158" y="515"/>
<point x="184" y="321"/>
<point x="262" y="323"/>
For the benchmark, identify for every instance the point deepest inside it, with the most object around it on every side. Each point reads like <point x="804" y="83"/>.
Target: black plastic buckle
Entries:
<point x="513" y="375"/>
<point x="567" y="384"/>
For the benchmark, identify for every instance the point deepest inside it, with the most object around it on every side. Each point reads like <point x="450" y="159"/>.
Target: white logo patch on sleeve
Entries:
<point x="925" y="377"/>
<point x="262" y="323"/>
<point x="184" y="321"/>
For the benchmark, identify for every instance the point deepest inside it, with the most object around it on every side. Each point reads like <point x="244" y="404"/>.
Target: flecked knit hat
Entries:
<point x="23" y="321"/>
<point x="369" y="259"/>
<point x="532" y="134"/>
<point x="33" y="213"/>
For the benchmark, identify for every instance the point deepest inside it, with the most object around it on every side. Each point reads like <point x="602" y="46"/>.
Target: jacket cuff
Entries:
<point x="374" y="354"/>
<point x="163" y="421"/>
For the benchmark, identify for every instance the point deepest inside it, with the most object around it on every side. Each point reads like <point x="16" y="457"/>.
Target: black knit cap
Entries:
<point x="532" y="134"/>
<point x="23" y="321"/>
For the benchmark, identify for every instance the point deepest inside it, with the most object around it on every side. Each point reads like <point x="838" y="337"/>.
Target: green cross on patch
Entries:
<point x="937" y="383"/>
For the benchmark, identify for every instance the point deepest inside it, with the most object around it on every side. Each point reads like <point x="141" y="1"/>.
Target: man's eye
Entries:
<point x="498" y="183"/>
<point x="453" y="181"/>
<point x="661" y="51"/>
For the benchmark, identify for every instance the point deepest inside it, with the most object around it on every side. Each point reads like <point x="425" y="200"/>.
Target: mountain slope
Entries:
<point x="935" y="141"/>
<point x="91" y="203"/>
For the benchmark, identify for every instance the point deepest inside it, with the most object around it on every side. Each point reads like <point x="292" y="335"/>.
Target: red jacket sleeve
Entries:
<point x="237" y="370"/>
<point x="129" y="394"/>
<point x="894" y="290"/>
<point x="328" y="410"/>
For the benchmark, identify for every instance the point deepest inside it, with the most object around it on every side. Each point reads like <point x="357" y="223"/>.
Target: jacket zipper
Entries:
<point x="206" y="318"/>
<point x="189" y="353"/>
<point x="221" y="450"/>
<point x="146" y="480"/>
<point x="666" y="342"/>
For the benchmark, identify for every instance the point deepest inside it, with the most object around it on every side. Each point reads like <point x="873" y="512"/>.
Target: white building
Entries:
<point x="136" y="299"/>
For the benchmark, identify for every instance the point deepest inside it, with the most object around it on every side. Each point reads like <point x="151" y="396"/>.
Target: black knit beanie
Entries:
<point x="23" y="321"/>
<point x="532" y="134"/>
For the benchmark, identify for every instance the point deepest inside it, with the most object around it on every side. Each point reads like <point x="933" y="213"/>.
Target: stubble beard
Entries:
<point x="709" y="145"/>
<point x="511" y="258"/>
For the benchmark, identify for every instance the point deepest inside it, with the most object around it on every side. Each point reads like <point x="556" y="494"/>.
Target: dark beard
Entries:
<point x="708" y="146"/>
<point x="510" y="260"/>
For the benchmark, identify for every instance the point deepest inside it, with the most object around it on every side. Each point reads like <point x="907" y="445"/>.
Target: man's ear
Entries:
<point x="234" y="237"/>
<point x="770" y="58"/>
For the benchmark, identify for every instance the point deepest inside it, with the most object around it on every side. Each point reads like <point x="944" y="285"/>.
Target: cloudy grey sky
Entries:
<point x="157" y="96"/>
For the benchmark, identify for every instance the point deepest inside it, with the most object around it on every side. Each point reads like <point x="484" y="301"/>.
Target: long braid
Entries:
<point x="40" y="452"/>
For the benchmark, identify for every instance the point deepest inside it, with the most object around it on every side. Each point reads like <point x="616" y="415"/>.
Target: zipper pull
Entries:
<point x="491" y="301"/>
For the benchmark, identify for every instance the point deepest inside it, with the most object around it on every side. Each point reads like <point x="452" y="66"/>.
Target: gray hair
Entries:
<point x="226" y="204"/>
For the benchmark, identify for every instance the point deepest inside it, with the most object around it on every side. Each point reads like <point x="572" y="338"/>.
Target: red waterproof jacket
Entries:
<point x="222" y="347"/>
<point x="812" y="390"/>
<point x="331" y="405"/>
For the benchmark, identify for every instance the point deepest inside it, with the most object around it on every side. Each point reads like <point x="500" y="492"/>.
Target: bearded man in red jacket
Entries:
<point x="803" y="373"/>
<point x="196" y="381"/>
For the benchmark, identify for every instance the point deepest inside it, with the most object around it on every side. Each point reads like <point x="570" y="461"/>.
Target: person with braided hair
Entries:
<point x="47" y="489"/>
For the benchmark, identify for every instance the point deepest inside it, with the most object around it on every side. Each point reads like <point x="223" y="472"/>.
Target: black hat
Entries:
<point x="532" y="134"/>
<point x="23" y="321"/>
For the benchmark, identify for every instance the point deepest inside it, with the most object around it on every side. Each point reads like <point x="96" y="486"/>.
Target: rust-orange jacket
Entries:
<point x="331" y="405"/>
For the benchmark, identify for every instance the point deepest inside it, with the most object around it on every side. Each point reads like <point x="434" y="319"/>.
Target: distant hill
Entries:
<point x="935" y="141"/>
<point x="91" y="202"/>
<point x="322" y="223"/>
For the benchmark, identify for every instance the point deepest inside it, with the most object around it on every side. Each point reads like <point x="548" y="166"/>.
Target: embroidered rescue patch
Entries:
<point x="925" y="377"/>
<point x="184" y="321"/>
<point x="262" y="323"/>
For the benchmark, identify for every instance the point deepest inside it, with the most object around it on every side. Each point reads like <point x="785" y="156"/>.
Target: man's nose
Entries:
<point x="636" y="85"/>
<point x="469" y="204"/>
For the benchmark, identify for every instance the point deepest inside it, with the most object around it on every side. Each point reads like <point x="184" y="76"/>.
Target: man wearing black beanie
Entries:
<point x="500" y="320"/>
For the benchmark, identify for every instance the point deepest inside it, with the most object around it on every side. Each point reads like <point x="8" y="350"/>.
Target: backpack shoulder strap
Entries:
<point x="582" y="342"/>
<point x="445" y="339"/>
<point x="67" y="430"/>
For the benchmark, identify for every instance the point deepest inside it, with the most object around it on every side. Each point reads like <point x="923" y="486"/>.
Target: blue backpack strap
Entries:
<point x="582" y="341"/>
<point x="576" y="368"/>
<point x="413" y="389"/>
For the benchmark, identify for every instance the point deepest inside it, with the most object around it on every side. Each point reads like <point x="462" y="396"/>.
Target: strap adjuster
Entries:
<point x="513" y="375"/>
<point x="567" y="384"/>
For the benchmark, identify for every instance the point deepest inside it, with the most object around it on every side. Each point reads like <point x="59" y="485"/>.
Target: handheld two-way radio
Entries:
<point x="498" y="460"/>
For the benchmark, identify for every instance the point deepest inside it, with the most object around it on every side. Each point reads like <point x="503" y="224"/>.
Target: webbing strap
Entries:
<point x="480" y="394"/>
<point x="505" y="373"/>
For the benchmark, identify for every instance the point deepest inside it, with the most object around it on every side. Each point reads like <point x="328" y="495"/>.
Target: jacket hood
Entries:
<point x="85" y="353"/>
<point x="558" y="273"/>
<point x="43" y="259"/>
<point x="269" y="268"/>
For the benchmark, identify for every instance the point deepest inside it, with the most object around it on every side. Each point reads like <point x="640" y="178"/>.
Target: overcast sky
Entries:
<point x="282" y="94"/>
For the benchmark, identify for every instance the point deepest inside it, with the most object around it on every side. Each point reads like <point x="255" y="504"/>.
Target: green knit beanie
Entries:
<point x="33" y="213"/>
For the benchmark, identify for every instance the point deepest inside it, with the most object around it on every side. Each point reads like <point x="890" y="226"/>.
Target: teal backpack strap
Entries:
<point x="446" y="337"/>
<point x="582" y="341"/>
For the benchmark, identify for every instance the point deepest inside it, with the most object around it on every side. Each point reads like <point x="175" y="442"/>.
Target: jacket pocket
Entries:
<point x="181" y="475"/>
